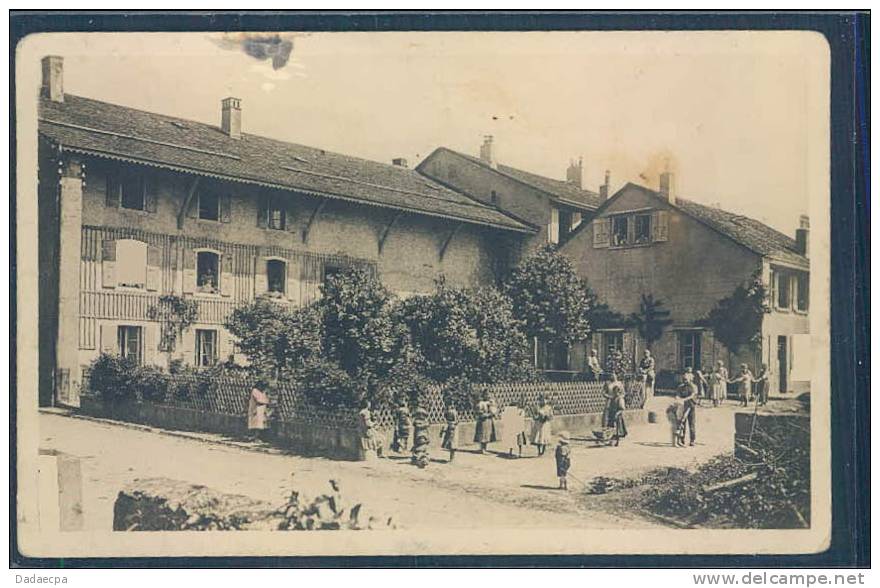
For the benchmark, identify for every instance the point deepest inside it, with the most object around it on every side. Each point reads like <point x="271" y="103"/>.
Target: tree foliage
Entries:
<point x="736" y="320"/>
<point x="467" y="333"/>
<point x="549" y="297"/>
<point x="651" y="319"/>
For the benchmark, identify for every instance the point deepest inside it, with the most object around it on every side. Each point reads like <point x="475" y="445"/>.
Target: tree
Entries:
<point x="736" y="320"/>
<point x="277" y="340"/>
<point x="467" y="333"/>
<point x="549" y="296"/>
<point x="651" y="319"/>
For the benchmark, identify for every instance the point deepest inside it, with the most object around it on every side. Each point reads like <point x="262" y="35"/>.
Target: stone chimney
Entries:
<point x="400" y="162"/>
<point x="230" y="120"/>
<point x="575" y="172"/>
<point x="487" y="151"/>
<point x="605" y="188"/>
<point x="802" y="235"/>
<point x="667" y="186"/>
<point x="53" y="78"/>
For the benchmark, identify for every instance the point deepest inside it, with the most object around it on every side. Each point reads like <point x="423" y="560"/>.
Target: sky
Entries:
<point x="740" y="117"/>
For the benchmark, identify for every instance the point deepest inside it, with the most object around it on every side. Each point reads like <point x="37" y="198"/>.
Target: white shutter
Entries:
<point x="227" y="284"/>
<point x="601" y="232"/>
<point x="108" y="263"/>
<point x="109" y="342"/>
<point x="553" y="226"/>
<point x="261" y="280"/>
<point x="151" y="343"/>
<point x="188" y="346"/>
<point x="294" y="293"/>
<point x="154" y="255"/>
<point x="189" y="271"/>
<point x="660" y="225"/>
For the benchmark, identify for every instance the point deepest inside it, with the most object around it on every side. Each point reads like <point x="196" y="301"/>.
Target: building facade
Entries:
<point x="690" y="256"/>
<point x="137" y="206"/>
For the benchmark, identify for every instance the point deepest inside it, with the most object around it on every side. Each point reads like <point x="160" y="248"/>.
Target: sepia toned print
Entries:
<point x="439" y="293"/>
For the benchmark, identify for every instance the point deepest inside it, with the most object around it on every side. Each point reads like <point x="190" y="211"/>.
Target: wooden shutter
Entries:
<point x="227" y="275"/>
<point x="109" y="343"/>
<point x="660" y="225"/>
<point x="113" y="190"/>
<point x="150" y="343"/>
<point x="293" y="283"/>
<point x="290" y="217"/>
<point x="189" y="271"/>
<point x="261" y="283"/>
<point x="108" y="263"/>
<point x="263" y="210"/>
<point x="150" y="197"/>
<point x="601" y="232"/>
<point x="225" y="209"/>
<point x="154" y="257"/>
<point x="188" y="346"/>
<point x="193" y="210"/>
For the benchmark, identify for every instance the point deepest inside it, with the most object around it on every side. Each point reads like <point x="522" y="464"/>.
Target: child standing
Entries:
<point x="563" y="460"/>
<point x="450" y="438"/>
<point x="402" y="429"/>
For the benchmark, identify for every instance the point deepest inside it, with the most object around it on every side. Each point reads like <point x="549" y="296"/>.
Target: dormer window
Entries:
<point x="643" y="229"/>
<point x="619" y="231"/>
<point x="632" y="229"/>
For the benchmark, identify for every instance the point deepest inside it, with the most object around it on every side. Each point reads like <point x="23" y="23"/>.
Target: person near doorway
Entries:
<point x="762" y="385"/>
<point x="258" y="403"/>
<point x="647" y="372"/>
<point x="718" y="383"/>
<point x="744" y="380"/>
<point x="688" y="394"/>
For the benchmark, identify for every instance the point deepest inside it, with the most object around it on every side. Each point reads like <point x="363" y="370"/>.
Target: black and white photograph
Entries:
<point x="423" y="293"/>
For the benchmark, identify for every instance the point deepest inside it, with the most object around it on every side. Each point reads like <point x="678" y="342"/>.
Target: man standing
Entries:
<point x="688" y="393"/>
<point x="647" y="372"/>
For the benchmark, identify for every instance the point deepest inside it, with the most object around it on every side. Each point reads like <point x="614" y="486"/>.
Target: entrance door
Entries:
<point x="782" y="356"/>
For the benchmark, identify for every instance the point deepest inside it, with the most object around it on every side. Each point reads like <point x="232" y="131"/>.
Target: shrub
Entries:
<point x="114" y="379"/>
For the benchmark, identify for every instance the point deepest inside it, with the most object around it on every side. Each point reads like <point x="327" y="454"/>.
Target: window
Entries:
<point x="803" y="292"/>
<point x="331" y="270"/>
<point x="130" y="342"/>
<point x="131" y="263"/>
<point x="613" y="342"/>
<point x="131" y="187"/>
<point x="494" y="197"/>
<point x="553" y="356"/>
<point x="209" y="205"/>
<point x="619" y="230"/>
<point x="206" y="347"/>
<point x="643" y="228"/>
<point x="277" y="213"/>
<point x="783" y="290"/>
<point x="207" y="272"/>
<point x="565" y="224"/>
<point x="689" y="349"/>
<point x="276" y="275"/>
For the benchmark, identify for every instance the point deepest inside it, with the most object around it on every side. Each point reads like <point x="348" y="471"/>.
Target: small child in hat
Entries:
<point x="563" y="460"/>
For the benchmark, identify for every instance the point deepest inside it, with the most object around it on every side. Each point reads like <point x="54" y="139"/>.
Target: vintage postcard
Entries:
<point x="423" y="293"/>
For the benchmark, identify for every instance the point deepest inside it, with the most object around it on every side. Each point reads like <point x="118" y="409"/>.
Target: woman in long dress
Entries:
<point x="450" y="432"/>
<point x="513" y="429"/>
<point x="371" y="440"/>
<point x="541" y="430"/>
<point x="616" y="408"/>
<point x="718" y="383"/>
<point x="256" y="414"/>
<point x="485" y="430"/>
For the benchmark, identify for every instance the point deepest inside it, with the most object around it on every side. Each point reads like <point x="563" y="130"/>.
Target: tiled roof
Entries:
<point x="748" y="232"/>
<point x="565" y="191"/>
<point x="118" y="132"/>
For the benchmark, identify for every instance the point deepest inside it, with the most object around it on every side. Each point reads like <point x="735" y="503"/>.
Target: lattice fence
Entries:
<point x="229" y="395"/>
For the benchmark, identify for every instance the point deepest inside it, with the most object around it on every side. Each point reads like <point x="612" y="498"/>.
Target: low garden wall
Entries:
<point x="220" y="406"/>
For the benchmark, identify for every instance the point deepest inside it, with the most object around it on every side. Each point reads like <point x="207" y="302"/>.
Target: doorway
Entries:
<point x="782" y="356"/>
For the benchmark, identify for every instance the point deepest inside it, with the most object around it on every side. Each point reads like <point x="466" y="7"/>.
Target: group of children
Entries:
<point x="714" y="387"/>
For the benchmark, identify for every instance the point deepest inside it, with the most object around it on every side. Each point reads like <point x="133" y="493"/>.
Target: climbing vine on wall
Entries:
<point x="175" y="314"/>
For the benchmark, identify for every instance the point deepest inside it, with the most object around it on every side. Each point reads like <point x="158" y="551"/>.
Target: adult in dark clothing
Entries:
<point x="689" y="394"/>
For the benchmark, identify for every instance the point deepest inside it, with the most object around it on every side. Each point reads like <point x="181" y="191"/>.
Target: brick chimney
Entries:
<point x="230" y="120"/>
<point x="487" y="151"/>
<point x="605" y="188"/>
<point x="575" y="172"/>
<point x="802" y="235"/>
<point x="400" y="162"/>
<point x="667" y="186"/>
<point x="53" y="78"/>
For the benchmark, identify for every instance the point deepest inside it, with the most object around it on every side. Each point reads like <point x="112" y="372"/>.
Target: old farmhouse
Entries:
<point x="690" y="256"/>
<point x="136" y="205"/>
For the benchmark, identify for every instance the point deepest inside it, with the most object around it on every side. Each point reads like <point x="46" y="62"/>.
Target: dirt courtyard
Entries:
<point x="477" y="491"/>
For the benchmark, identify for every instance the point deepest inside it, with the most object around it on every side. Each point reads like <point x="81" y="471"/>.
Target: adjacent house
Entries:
<point x="554" y="207"/>
<point x="689" y="256"/>
<point x="136" y="205"/>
